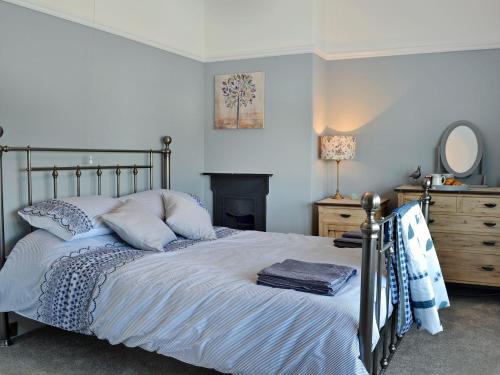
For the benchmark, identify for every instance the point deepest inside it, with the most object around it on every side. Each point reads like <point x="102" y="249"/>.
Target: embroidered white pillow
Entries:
<point x="138" y="227"/>
<point x="151" y="200"/>
<point x="186" y="217"/>
<point x="70" y="218"/>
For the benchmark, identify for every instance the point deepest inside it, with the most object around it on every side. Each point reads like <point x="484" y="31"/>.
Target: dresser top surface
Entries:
<point x="345" y="202"/>
<point x="470" y="191"/>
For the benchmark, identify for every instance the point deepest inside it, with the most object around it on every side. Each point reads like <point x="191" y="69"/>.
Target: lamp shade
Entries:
<point x="338" y="147"/>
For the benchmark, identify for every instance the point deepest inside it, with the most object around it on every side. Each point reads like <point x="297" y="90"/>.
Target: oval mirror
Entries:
<point x="461" y="148"/>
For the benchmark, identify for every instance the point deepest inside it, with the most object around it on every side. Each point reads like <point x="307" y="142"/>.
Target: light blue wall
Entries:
<point x="63" y="84"/>
<point x="398" y="108"/>
<point x="282" y="147"/>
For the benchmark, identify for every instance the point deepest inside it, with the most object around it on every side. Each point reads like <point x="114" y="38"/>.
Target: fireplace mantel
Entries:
<point x="237" y="174"/>
<point x="239" y="199"/>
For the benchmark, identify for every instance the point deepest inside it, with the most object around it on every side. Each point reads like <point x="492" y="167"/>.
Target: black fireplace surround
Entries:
<point x="239" y="200"/>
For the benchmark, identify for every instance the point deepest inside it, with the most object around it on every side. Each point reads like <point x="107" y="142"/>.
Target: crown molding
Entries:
<point x="107" y="29"/>
<point x="348" y="55"/>
<point x="401" y="51"/>
<point x="269" y="52"/>
<point x="259" y="53"/>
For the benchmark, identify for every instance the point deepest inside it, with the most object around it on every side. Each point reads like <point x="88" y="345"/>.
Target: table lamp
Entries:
<point x="338" y="148"/>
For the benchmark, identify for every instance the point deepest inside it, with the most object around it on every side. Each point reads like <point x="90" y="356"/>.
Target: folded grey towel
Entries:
<point x="352" y="234"/>
<point x="348" y="242"/>
<point x="319" y="278"/>
<point x="300" y="288"/>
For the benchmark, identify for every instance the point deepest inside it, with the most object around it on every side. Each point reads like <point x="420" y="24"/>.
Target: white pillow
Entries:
<point x="70" y="218"/>
<point x="138" y="227"/>
<point x="186" y="217"/>
<point x="151" y="200"/>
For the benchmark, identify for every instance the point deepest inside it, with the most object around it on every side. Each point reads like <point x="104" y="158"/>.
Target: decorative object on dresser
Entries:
<point x="239" y="200"/>
<point x="239" y="101"/>
<point x="335" y="217"/>
<point x="338" y="148"/>
<point x="461" y="152"/>
<point x="465" y="227"/>
<point x="415" y="175"/>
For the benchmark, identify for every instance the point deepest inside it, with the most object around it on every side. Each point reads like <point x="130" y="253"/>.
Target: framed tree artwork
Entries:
<point x="239" y="101"/>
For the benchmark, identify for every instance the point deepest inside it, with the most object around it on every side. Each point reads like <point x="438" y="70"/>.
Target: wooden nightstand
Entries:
<point x="338" y="216"/>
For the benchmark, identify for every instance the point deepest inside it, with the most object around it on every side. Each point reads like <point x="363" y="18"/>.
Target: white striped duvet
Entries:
<point x="202" y="306"/>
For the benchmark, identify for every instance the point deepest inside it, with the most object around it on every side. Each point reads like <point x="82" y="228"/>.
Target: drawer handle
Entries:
<point x="490" y="205"/>
<point x="488" y="268"/>
<point x="489" y="243"/>
<point x="345" y="216"/>
<point x="432" y="203"/>
<point x="431" y="221"/>
<point x="490" y="224"/>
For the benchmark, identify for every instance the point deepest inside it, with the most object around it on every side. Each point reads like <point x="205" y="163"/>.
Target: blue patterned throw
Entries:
<point x="66" y="294"/>
<point x="73" y="282"/>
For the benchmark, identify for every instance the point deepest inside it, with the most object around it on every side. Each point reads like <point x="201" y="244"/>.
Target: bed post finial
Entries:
<point x="426" y="199"/>
<point x="167" y="140"/>
<point x="370" y="202"/>
<point x="369" y="231"/>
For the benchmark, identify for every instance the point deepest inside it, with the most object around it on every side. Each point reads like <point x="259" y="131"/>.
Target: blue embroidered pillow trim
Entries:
<point x="198" y="201"/>
<point x="67" y="215"/>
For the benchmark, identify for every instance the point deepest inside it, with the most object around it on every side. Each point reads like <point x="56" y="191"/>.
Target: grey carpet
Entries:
<point x="470" y="344"/>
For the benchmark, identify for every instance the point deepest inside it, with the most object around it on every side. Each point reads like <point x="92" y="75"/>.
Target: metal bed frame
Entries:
<point x="374" y="249"/>
<point x="374" y="244"/>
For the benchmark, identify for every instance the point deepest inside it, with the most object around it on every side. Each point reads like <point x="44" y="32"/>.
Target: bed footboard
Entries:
<point x="373" y="268"/>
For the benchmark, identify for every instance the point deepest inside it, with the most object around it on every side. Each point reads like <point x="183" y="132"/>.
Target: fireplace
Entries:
<point x="239" y="200"/>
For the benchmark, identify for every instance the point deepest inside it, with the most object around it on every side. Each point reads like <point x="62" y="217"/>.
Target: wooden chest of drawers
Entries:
<point x="338" y="216"/>
<point x="465" y="227"/>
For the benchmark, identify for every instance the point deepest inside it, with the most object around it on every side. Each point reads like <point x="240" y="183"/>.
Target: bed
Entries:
<point x="198" y="301"/>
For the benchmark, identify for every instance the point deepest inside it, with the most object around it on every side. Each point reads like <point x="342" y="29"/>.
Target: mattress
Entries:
<point x="198" y="303"/>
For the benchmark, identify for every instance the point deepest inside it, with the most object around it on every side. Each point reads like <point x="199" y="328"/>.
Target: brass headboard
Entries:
<point x="164" y="154"/>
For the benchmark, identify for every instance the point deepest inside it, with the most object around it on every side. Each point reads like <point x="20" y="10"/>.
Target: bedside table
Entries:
<point x="337" y="216"/>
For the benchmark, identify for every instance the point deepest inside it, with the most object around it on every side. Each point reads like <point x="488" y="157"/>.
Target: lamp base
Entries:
<point x="337" y="196"/>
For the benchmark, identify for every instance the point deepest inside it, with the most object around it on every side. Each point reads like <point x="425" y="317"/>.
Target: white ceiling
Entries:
<point x="387" y="27"/>
<point x="214" y="30"/>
